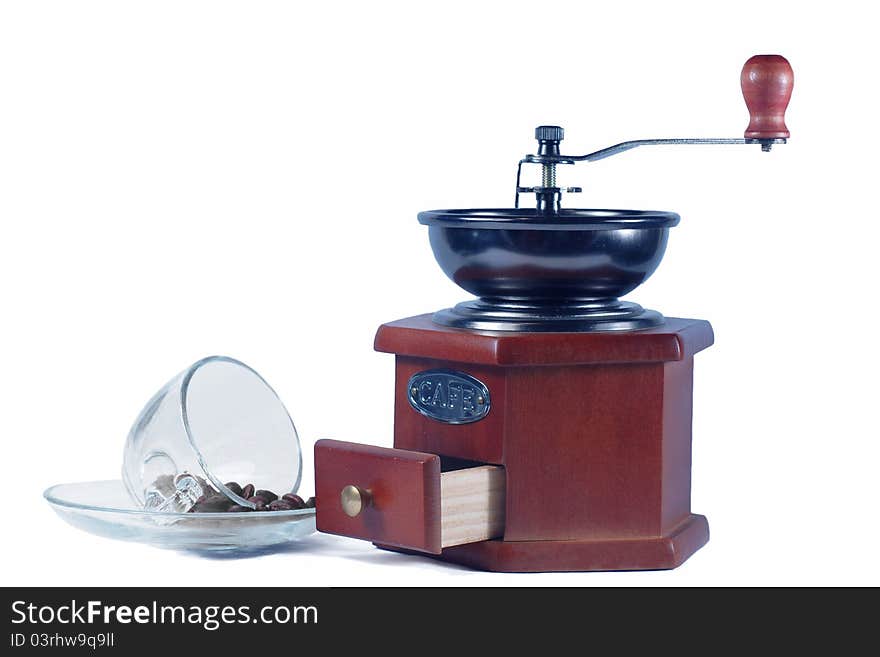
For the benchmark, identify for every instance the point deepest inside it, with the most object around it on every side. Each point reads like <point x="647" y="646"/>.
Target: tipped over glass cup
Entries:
<point x="216" y="423"/>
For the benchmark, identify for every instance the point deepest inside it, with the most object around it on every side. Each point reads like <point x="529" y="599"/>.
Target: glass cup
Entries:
<point x="216" y="422"/>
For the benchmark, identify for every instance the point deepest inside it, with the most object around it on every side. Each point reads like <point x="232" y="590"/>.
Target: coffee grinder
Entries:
<point x="545" y="425"/>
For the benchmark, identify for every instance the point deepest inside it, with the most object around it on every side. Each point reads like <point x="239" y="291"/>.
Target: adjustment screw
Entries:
<point x="549" y="133"/>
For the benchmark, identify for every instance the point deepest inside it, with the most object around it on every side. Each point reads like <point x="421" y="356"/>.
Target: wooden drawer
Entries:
<point x="401" y="498"/>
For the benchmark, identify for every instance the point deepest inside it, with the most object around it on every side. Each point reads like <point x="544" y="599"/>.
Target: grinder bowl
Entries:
<point x="548" y="272"/>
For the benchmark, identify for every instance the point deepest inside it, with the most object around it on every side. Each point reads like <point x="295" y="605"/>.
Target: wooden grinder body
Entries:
<point x="593" y="431"/>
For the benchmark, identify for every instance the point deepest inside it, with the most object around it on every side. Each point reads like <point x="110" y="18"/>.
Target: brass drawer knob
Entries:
<point x="353" y="500"/>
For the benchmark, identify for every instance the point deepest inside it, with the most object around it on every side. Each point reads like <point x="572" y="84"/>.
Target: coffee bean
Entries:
<point x="268" y="495"/>
<point x="214" y="503"/>
<point x="207" y="488"/>
<point x="295" y="501"/>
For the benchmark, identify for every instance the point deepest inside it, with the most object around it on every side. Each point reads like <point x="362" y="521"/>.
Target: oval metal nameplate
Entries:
<point x="448" y="396"/>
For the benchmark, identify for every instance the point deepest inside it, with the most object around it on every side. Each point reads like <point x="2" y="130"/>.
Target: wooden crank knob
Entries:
<point x="767" y="81"/>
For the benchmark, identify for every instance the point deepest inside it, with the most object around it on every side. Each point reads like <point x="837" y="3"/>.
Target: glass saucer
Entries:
<point x="105" y="509"/>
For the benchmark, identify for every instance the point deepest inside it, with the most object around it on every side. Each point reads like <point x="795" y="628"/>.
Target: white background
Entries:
<point x="179" y="179"/>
